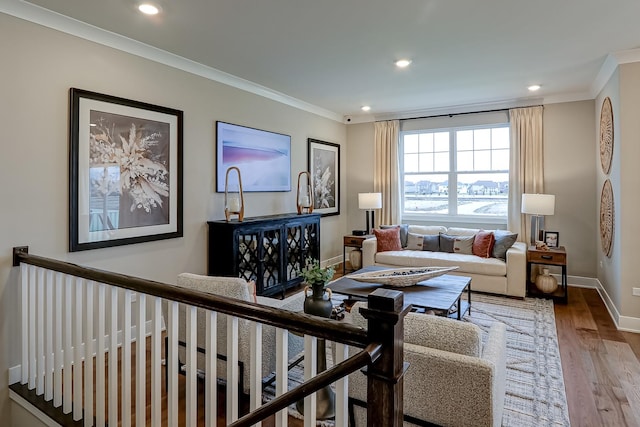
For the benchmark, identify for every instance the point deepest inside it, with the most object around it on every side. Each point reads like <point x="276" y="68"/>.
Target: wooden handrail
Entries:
<point x="297" y="322"/>
<point x="369" y="355"/>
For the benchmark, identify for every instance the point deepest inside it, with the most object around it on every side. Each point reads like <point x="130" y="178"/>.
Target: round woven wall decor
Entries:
<point x="606" y="217"/>
<point x="606" y="135"/>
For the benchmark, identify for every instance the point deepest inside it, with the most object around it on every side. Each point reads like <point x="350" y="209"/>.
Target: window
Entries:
<point x="460" y="172"/>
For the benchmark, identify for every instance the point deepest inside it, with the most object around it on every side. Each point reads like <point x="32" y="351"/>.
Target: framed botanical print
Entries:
<point x="125" y="171"/>
<point x="324" y="166"/>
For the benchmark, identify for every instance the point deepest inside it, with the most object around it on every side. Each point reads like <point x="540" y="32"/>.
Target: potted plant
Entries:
<point x="317" y="277"/>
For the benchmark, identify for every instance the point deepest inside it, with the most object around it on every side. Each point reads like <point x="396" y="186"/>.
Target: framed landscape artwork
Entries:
<point x="324" y="166"/>
<point x="125" y="171"/>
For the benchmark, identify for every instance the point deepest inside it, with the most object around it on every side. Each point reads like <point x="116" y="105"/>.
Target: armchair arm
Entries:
<point x="369" y="249"/>
<point x="517" y="270"/>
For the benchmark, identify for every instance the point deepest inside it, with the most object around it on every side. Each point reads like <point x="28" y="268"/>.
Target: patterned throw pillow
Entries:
<point x="463" y="245"/>
<point x="415" y="241"/>
<point x="446" y="242"/>
<point x="251" y="284"/>
<point x="483" y="244"/>
<point x="388" y="239"/>
<point x="431" y="242"/>
<point x="404" y="232"/>
<point x="504" y="240"/>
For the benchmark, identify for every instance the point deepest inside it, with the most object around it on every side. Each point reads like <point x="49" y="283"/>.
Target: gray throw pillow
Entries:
<point x="504" y="240"/>
<point x="446" y="242"/>
<point x="404" y="232"/>
<point x="431" y="242"/>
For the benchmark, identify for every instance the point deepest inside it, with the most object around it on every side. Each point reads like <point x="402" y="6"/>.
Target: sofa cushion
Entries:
<point x="415" y="242"/>
<point x="463" y="245"/>
<point x="427" y="229"/>
<point x="404" y="231"/>
<point x="431" y="242"/>
<point x="467" y="263"/>
<point x="460" y="231"/>
<point x="504" y="240"/>
<point x="483" y="244"/>
<point x="388" y="239"/>
<point x="446" y="242"/>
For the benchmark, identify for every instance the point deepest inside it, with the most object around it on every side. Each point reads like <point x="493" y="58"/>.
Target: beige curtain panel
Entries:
<point x="386" y="178"/>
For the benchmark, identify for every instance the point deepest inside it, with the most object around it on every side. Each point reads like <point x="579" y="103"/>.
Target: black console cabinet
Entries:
<point x="268" y="249"/>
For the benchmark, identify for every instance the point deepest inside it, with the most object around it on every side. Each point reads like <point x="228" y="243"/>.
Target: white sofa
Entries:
<point x="492" y="275"/>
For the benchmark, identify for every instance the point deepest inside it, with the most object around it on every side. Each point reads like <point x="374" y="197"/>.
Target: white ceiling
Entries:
<point x="338" y="55"/>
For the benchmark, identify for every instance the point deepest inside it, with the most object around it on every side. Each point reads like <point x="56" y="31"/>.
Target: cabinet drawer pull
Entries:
<point x="546" y="256"/>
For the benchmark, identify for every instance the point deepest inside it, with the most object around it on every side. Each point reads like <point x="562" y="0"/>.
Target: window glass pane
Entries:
<point x="500" y="138"/>
<point x="441" y="141"/>
<point x="426" y="194"/>
<point x="426" y="142"/>
<point x="464" y="140"/>
<point x="482" y="160"/>
<point x="411" y="163"/>
<point x="482" y="139"/>
<point x="500" y="160"/>
<point x="483" y="194"/>
<point x="441" y="162"/>
<point x="411" y="143"/>
<point x="465" y="161"/>
<point x="426" y="162"/>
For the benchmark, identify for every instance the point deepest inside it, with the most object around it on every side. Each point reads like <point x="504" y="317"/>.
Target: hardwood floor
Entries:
<point x="601" y="365"/>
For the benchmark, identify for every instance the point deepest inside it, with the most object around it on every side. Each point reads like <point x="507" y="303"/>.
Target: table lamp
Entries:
<point x="538" y="205"/>
<point x="369" y="202"/>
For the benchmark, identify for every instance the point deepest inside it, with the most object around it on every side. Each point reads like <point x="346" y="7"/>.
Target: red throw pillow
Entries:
<point x="388" y="239"/>
<point x="483" y="244"/>
<point x="251" y="284"/>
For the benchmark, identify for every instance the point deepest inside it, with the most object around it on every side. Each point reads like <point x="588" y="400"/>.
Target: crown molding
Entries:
<point x="41" y="16"/>
<point x="609" y="66"/>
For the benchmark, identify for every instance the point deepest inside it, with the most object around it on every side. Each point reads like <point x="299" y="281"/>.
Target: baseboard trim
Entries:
<point x="623" y="323"/>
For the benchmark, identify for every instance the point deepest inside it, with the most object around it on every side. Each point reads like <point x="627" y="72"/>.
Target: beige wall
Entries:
<point x="360" y="161"/>
<point x="39" y="67"/>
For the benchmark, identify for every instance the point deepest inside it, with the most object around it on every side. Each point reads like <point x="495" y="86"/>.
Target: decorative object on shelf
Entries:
<point x="304" y="197"/>
<point x="125" y="168"/>
<point x="537" y="205"/>
<point x="401" y="277"/>
<point x="606" y="135"/>
<point x="545" y="282"/>
<point x="552" y="239"/>
<point x="324" y="166"/>
<point x="319" y="304"/>
<point x="369" y="202"/>
<point x="355" y="259"/>
<point x="606" y="217"/>
<point x="234" y="199"/>
<point x="541" y="246"/>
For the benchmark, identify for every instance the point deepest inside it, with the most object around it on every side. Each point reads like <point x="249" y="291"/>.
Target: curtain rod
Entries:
<point x="462" y="114"/>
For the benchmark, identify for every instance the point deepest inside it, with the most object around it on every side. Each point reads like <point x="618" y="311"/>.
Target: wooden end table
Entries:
<point x="354" y="242"/>
<point x="554" y="257"/>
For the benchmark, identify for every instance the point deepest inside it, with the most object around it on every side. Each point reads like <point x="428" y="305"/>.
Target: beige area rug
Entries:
<point x="535" y="393"/>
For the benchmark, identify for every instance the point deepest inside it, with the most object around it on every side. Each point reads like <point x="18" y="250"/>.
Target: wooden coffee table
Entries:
<point x="441" y="294"/>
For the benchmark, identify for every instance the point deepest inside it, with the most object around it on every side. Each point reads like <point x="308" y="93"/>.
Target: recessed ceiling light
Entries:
<point x="365" y="108"/>
<point x="533" y="88"/>
<point x="148" y="9"/>
<point x="403" y="63"/>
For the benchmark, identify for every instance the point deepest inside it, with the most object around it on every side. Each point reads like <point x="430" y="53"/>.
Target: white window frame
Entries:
<point x="452" y="179"/>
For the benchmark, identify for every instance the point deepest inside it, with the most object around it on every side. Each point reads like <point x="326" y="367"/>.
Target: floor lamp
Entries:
<point x="538" y="205"/>
<point x="368" y="202"/>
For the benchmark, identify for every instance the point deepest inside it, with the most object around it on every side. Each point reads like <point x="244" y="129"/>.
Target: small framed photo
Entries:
<point x="552" y="239"/>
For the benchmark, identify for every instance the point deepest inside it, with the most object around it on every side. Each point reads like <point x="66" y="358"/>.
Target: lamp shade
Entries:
<point x="538" y="204"/>
<point x="369" y="200"/>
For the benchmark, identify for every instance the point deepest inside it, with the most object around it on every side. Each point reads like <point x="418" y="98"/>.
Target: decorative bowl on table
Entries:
<point x="401" y="277"/>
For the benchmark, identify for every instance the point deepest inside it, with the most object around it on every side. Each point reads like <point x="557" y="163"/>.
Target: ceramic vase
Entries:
<point x="319" y="304"/>
<point x="545" y="282"/>
<point x="355" y="259"/>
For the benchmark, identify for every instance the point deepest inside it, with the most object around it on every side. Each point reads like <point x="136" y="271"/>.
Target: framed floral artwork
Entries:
<point x="324" y="166"/>
<point x="125" y="171"/>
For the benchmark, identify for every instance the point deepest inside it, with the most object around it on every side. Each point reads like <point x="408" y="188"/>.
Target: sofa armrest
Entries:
<point x="517" y="270"/>
<point x="369" y="249"/>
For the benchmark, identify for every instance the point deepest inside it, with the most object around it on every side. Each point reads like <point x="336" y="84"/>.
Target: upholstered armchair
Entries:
<point x="232" y="287"/>
<point x="453" y="378"/>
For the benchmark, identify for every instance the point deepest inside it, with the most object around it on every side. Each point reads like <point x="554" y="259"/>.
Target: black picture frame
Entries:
<point x="125" y="171"/>
<point x="324" y="165"/>
<point x="552" y="239"/>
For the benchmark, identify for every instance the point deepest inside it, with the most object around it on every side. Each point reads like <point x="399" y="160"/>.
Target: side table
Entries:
<point x="554" y="257"/>
<point x="350" y="241"/>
